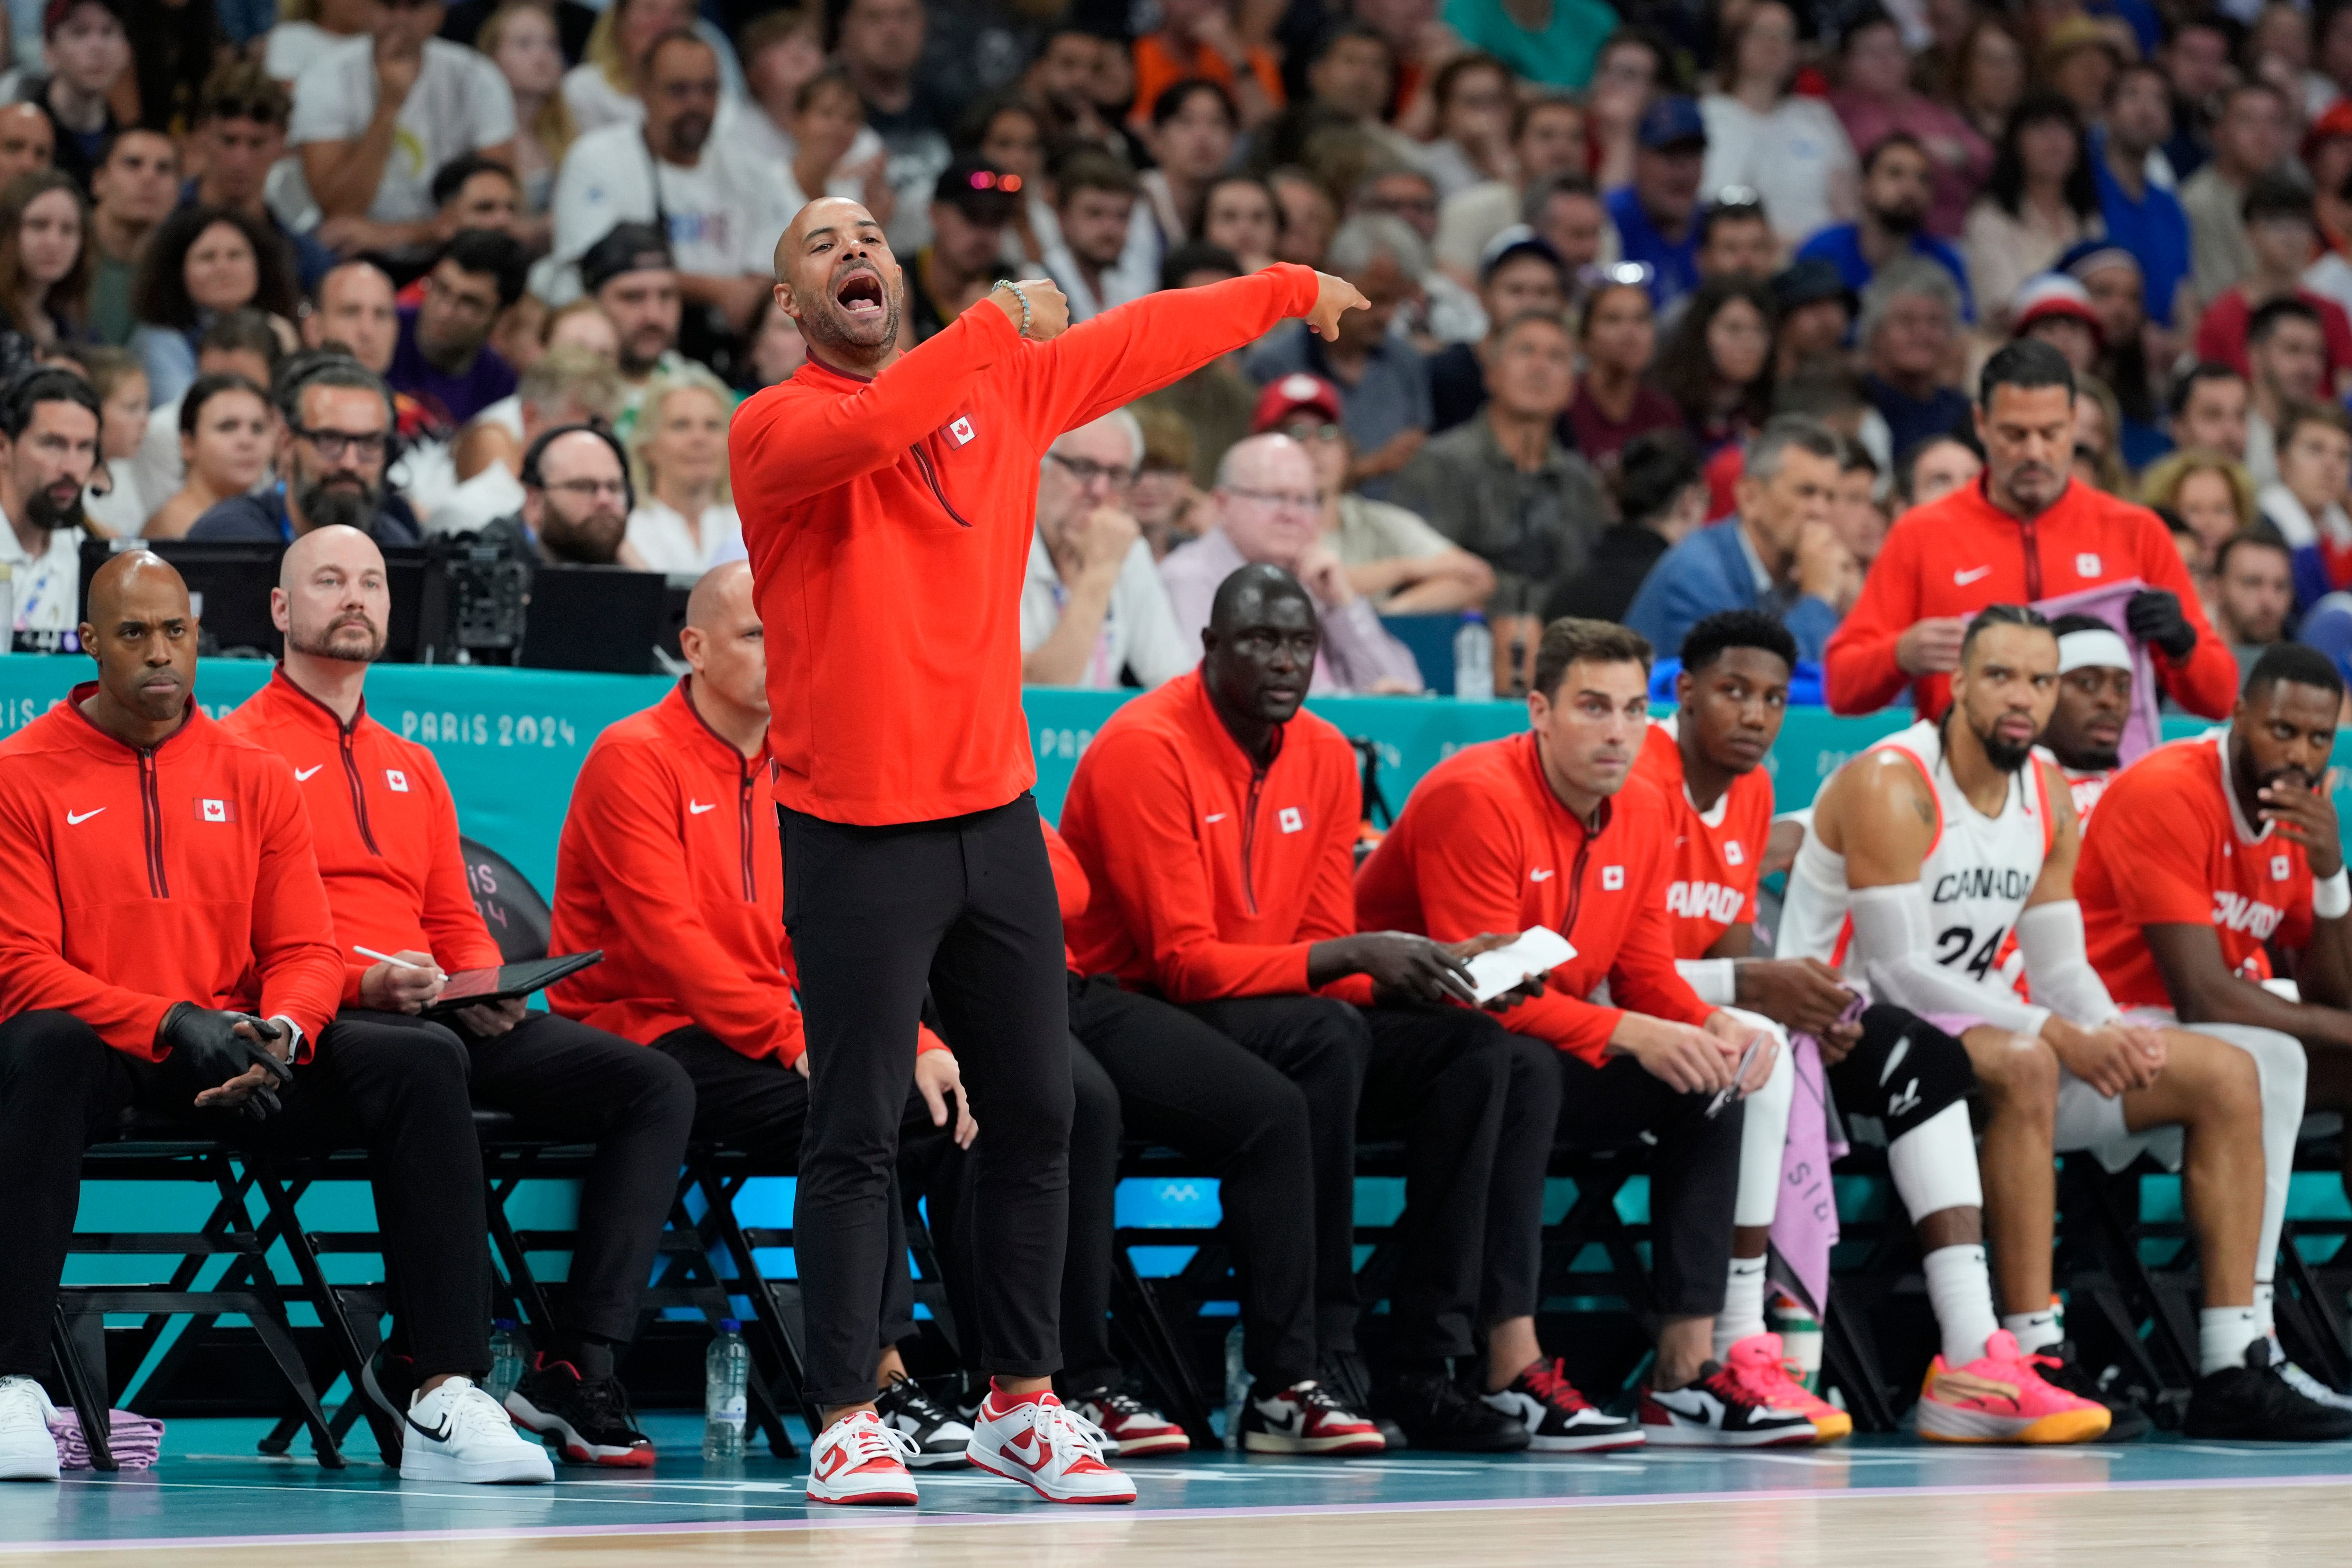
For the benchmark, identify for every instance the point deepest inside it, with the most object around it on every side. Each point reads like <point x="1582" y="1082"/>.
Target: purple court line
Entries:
<point x="1271" y="1510"/>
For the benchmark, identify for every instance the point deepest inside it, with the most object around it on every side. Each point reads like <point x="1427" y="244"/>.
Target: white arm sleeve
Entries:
<point x="1894" y="944"/>
<point x="2050" y="940"/>
<point x="1712" y="979"/>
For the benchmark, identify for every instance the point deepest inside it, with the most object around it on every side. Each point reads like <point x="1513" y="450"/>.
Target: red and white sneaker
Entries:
<point x="1132" y="1429"/>
<point x="1716" y="1412"/>
<point x="859" y="1461"/>
<point x="1305" y="1419"/>
<point x="1558" y="1419"/>
<point x="1758" y="1366"/>
<point x="1033" y="1439"/>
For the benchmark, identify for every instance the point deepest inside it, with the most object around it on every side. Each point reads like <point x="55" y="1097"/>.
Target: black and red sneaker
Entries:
<point x="590" y="1421"/>
<point x="1716" y="1411"/>
<point x="1305" y="1419"/>
<point x="1558" y="1419"/>
<point x="1132" y="1429"/>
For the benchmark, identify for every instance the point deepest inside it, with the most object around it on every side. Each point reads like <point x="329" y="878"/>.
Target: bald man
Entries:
<point x="395" y="880"/>
<point x="164" y="943"/>
<point x="27" y="141"/>
<point x="670" y="863"/>
<point x="887" y="501"/>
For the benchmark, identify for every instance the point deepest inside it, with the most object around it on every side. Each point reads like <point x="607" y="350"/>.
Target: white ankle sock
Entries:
<point x="2034" y="1330"/>
<point x="2222" y="1336"/>
<point x="1960" y="1287"/>
<point x="1743" y="1305"/>
<point x="2265" y="1307"/>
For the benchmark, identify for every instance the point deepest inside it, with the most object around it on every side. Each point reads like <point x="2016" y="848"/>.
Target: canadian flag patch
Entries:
<point x="1612" y="878"/>
<point x="1733" y="854"/>
<point x="2086" y="565"/>
<point x="215" y="810"/>
<point x="1291" y="818"/>
<point x="2278" y="868"/>
<point x="960" y="432"/>
<point x="396" y="780"/>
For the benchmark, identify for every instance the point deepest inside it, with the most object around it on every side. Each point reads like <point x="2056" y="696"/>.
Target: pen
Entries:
<point x="388" y="958"/>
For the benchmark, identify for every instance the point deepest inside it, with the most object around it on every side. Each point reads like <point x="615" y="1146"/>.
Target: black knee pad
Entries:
<point x="1904" y="1071"/>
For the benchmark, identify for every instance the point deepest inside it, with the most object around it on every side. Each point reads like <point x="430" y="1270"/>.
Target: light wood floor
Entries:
<point x="2090" y="1529"/>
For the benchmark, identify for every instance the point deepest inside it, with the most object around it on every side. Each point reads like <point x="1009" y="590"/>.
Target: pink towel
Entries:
<point x="1805" y="1222"/>
<point x="135" y="1440"/>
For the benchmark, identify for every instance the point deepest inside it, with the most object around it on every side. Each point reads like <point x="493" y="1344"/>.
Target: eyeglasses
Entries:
<point x="1084" y="471"/>
<point x="333" y="444"/>
<point x="589" y="490"/>
<point x="1281" y="500"/>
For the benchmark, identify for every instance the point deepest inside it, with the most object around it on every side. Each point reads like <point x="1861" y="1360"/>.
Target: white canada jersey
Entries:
<point x="1977" y="874"/>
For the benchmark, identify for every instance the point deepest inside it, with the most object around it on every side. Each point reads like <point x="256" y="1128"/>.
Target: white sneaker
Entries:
<point x="28" y="1450"/>
<point x="1046" y="1447"/>
<point x="458" y="1433"/>
<point x="857" y="1459"/>
<point x="2308" y="1385"/>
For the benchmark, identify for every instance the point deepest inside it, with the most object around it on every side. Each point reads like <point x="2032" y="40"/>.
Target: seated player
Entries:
<point x="1926" y="853"/>
<point x="386" y="839"/>
<point x="1216" y="824"/>
<point x="2185" y="901"/>
<point x="165" y="942"/>
<point x="1547" y="829"/>
<point x="2094" y="701"/>
<point x="1707" y="763"/>
<point x="670" y="862"/>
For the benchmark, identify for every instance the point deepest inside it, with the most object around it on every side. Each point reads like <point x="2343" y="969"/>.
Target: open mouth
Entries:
<point x="860" y="293"/>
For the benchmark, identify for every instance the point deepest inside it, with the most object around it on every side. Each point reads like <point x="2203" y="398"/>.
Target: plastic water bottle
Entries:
<point x="1801" y="1338"/>
<point x="1237" y="1386"/>
<point x="508" y="1357"/>
<point x="726" y="1369"/>
<point x="1473" y="660"/>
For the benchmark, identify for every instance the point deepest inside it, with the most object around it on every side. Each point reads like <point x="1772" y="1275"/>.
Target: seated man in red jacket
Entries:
<point x="386" y="838"/>
<point x="670" y="862"/>
<point x="1550" y="828"/>
<point x="1216" y="824"/>
<point x="165" y="942"/>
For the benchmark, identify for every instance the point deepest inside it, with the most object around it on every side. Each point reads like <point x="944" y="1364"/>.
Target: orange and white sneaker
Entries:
<point x="2002" y="1397"/>
<point x="857" y="1459"/>
<point x="1054" y="1451"/>
<point x="1758" y="1366"/>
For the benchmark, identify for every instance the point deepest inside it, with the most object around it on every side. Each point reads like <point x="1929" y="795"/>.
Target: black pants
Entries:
<point x="762" y="1107"/>
<point x="398" y="1092"/>
<point x="1438" y="1078"/>
<point x="966" y="906"/>
<point x="1694" y="1178"/>
<point x="1142" y="1065"/>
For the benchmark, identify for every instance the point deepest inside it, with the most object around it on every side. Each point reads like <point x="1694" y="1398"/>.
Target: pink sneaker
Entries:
<point x="2002" y="1398"/>
<point x="1756" y="1365"/>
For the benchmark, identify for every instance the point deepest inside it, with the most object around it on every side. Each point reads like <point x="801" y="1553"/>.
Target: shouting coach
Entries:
<point x="887" y="502"/>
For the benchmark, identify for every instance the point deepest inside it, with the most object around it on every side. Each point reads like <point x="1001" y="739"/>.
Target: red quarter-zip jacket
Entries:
<point x="1957" y="555"/>
<point x="130" y="879"/>
<point x="1483" y="844"/>
<point x="385" y="831"/>
<point x="1212" y="877"/>
<point x="889" y="521"/>
<point x="1072" y="890"/>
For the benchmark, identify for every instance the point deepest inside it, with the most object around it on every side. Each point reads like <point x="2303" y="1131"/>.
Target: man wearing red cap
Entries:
<point x="2057" y="309"/>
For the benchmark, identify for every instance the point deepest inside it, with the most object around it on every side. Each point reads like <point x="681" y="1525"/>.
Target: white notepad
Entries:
<point x="1537" y="951"/>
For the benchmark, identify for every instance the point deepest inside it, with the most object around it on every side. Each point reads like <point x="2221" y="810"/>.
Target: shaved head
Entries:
<point x="835" y="275"/>
<point x="138" y="625"/>
<point x="133" y="576"/>
<point x="332" y="599"/>
<point x="726" y="649"/>
<point x="720" y="596"/>
<point x="335" y="542"/>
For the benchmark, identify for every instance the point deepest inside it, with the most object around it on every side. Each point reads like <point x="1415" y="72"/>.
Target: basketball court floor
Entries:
<point x="2160" y="1502"/>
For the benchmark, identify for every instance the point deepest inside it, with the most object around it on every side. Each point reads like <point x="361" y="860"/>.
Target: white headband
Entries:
<point x="2101" y="650"/>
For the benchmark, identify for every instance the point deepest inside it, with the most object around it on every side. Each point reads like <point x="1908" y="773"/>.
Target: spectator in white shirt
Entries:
<point x="520" y="39"/>
<point x="569" y="384"/>
<point x="121" y="382"/>
<point x="1095" y="197"/>
<point x="783" y="53"/>
<point x="1790" y="150"/>
<point x="1093" y="612"/>
<point x="48" y="449"/>
<point x="376" y="117"/>
<point x="684" y="519"/>
<point x="606" y="87"/>
<point x="308" y="28"/>
<point x="722" y="209"/>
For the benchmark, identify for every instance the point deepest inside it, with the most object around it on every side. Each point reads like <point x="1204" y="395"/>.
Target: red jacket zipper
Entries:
<point x="1249" y="839"/>
<point x="151" y="808"/>
<point x="2033" y="561"/>
<point x="930" y="476"/>
<point x="1576" y="885"/>
<point x="743" y="838"/>
<point x="359" y="794"/>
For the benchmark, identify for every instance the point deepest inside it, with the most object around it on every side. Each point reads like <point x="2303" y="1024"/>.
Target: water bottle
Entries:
<point x="726" y="1369"/>
<point x="1801" y="1338"/>
<point x="1237" y="1386"/>
<point x="508" y="1357"/>
<point x="1473" y="660"/>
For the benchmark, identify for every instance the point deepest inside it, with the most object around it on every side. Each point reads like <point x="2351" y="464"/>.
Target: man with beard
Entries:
<point x="720" y="207"/>
<point x="1927" y="853"/>
<point x="632" y="276"/>
<point x="336" y="434"/>
<point x="1897" y="187"/>
<point x="2211" y="860"/>
<point x="2024" y="531"/>
<point x="2095" y="698"/>
<point x="385" y="840"/>
<point x="48" y="449"/>
<point x="575" y="500"/>
<point x="443" y="358"/>
<point x="887" y="501"/>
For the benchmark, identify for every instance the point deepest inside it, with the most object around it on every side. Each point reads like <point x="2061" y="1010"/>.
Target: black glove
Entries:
<point x="216" y="1052"/>
<point x="2154" y="616"/>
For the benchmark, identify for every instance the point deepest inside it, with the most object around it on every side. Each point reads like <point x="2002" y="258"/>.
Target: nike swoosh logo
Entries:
<point x="697" y="807"/>
<point x="73" y="821"/>
<point x="438" y="1434"/>
<point x="1542" y="875"/>
<point x="1027" y="1439"/>
<point x="835" y="1458"/>
<point x="1964" y="578"/>
<point x="1215" y="817"/>
<point x="301" y="774"/>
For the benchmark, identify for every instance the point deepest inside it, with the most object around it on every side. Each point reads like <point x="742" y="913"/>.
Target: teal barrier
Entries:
<point x="510" y="741"/>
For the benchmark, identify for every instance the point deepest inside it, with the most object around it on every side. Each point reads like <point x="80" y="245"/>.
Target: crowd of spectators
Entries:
<point x="1607" y="249"/>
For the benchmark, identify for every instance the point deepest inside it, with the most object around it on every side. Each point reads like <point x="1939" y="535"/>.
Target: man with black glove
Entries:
<point x="2154" y="616"/>
<point x="165" y="942"/>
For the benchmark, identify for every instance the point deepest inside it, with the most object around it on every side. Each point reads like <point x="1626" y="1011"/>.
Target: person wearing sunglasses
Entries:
<point x="333" y="441"/>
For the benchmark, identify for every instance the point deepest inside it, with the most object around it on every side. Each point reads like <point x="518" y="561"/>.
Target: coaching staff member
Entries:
<point x="386" y="839"/>
<point x="887" y="502"/>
